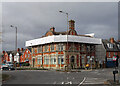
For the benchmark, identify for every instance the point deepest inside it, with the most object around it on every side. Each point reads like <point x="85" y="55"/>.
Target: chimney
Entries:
<point x="111" y="40"/>
<point x="22" y="49"/>
<point x="3" y="52"/>
<point x="52" y="29"/>
<point x="71" y="24"/>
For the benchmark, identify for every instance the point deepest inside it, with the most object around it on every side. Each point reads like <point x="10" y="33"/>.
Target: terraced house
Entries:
<point x="63" y="49"/>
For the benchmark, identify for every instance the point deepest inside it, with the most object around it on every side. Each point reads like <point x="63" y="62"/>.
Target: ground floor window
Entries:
<point x="46" y="60"/>
<point x="53" y="60"/>
<point x="88" y="59"/>
<point x="60" y="59"/>
<point x="39" y="60"/>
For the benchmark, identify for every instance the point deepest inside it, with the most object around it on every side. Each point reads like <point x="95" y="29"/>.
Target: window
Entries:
<point x="92" y="48"/>
<point x="110" y="45"/>
<point x="53" y="60"/>
<point x="28" y="55"/>
<point x="88" y="59"/>
<point x="46" y="47"/>
<point x="39" y="49"/>
<point x="73" y="47"/>
<point x="25" y="56"/>
<point x="39" y="60"/>
<point x="82" y="47"/>
<point x="34" y="50"/>
<point x="88" y="48"/>
<point x="82" y="59"/>
<point x="60" y="59"/>
<point x="46" y="60"/>
<point x="52" y="47"/>
<point x="60" y="47"/>
<point x="109" y="54"/>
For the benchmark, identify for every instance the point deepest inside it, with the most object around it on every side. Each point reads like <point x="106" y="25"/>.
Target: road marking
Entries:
<point x="82" y="81"/>
<point x="54" y="82"/>
<point x="62" y="82"/>
<point x="94" y="81"/>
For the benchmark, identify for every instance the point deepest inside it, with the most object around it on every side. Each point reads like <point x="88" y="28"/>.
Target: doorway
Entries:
<point x="72" y="61"/>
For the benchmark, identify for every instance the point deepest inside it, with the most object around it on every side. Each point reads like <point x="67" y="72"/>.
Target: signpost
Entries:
<point x="115" y="71"/>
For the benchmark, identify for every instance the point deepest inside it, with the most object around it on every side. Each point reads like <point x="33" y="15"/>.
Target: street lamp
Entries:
<point x="67" y="33"/>
<point x="16" y="35"/>
<point x="31" y="55"/>
<point x="16" y="40"/>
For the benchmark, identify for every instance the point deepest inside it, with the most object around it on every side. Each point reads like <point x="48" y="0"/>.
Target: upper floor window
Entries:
<point x="60" y="47"/>
<point x="46" y="47"/>
<point x="52" y="47"/>
<point x="39" y="49"/>
<point x="110" y="45"/>
<point x="92" y="48"/>
<point x="33" y="50"/>
<point x="82" y="47"/>
<point x="88" y="48"/>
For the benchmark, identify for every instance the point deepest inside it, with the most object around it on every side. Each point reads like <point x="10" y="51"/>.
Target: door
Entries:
<point x="72" y="61"/>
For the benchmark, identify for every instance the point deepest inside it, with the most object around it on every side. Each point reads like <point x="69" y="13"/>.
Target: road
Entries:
<point x="52" y="77"/>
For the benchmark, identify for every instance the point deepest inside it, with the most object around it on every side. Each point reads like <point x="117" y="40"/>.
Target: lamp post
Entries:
<point x="16" y="40"/>
<point x="31" y="55"/>
<point x="67" y="35"/>
<point x="16" y="35"/>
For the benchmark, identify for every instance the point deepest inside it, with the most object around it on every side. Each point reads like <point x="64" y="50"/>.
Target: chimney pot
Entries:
<point x="111" y="40"/>
<point x="52" y="29"/>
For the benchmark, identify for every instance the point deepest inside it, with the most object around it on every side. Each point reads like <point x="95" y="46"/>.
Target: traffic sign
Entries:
<point x="114" y="58"/>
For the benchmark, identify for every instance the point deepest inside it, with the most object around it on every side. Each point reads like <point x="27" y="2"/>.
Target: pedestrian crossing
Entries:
<point x="94" y="81"/>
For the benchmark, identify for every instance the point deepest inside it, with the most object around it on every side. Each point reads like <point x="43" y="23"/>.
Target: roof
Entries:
<point x="62" y="38"/>
<point x="115" y="47"/>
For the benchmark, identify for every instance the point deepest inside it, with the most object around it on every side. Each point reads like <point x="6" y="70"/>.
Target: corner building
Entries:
<point x="60" y="49"/>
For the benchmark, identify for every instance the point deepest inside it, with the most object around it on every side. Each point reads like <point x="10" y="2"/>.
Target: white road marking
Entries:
<point x="94" y="81"/>
<point x="82" y="81"/>
<point x="62" y="82"/>
<point x="54" y="82"/>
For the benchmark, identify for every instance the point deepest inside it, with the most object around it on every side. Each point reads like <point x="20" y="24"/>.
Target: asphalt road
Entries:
<point x="52" y="77"/>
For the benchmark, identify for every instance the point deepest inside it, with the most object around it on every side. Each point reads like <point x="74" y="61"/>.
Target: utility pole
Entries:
<point x="67" y="39"/>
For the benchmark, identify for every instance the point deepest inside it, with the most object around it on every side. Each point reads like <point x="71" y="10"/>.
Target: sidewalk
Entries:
<point x="111" y="82"/>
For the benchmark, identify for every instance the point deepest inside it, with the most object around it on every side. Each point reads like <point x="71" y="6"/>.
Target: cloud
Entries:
<point x="34" y="19"/>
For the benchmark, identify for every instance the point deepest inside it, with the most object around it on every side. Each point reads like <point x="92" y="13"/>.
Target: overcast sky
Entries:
<point x="33" y="19"/>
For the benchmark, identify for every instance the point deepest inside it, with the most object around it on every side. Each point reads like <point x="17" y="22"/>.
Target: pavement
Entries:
<point x="83" y="77"/>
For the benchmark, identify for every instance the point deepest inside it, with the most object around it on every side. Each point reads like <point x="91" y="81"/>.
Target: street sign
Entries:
<point x="114" y="58"/>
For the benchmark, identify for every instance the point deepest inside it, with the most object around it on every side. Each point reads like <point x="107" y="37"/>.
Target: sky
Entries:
<point x="34" y="19"/>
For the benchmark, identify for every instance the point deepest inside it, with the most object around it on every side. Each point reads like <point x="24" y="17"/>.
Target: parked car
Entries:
<point x="7" y="66"/>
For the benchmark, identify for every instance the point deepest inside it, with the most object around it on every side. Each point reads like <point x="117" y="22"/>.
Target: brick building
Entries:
<point x="18" y="56"/>
<point x="112" y="49"/>
<point x="59" y="49"/>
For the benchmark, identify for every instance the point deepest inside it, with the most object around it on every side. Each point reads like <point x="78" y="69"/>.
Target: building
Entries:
<point x="26" y="56"/>
<point x="17" y="56"/>
<point x="63" y="49"/>
<point x="112" y="50"/>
